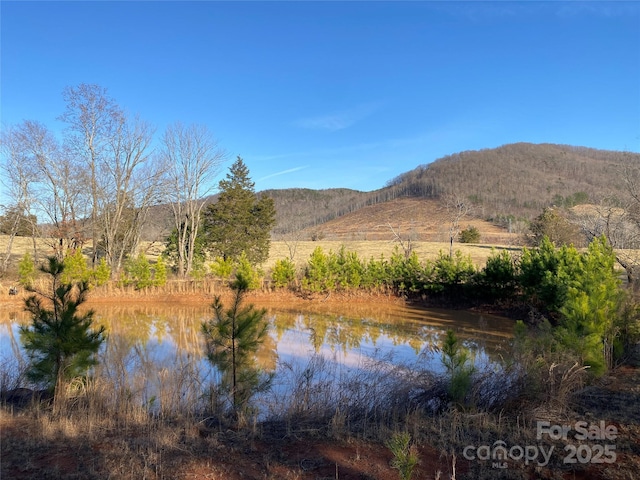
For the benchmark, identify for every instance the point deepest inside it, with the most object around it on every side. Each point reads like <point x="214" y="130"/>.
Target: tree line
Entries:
<point x="96" y="186"/>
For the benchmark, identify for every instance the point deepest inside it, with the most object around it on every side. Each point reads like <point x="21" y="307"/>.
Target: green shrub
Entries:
<point x="75" y="267"/>
<point x="61" y="344"/>
<point x="138" y="272"/>
<point x="160" y="272"/>
<point x="405" y="457"/>
<point x="102" y="273"/>
<point x="317" y="275"/>
<point x="450" y="272"/>
<point x="469" y="235"/>
<point x="498" y="279"/>
<point x="26" y="271"/>
<point x="347" y="268"/>
<point x="283" y="273"/>
<point x="408" y="274"/>
<point x="221" y="268"/>
<point x="591" y="307"/>
<point x="376" y="273"/>
<point x="582" y="293"/>
<point x="232" y="338"/>
<point x="545" y="275"/>
<point x="459" y="364"/>
<point x="246" y="270"/>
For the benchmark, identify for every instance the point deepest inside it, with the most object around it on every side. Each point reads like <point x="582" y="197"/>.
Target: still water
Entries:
<point x="348" y="335"/>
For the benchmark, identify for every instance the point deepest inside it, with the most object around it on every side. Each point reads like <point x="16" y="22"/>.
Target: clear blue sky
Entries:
<point x="332" y="94"/>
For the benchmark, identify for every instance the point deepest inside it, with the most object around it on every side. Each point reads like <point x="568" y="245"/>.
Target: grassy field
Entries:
<point x="366" y="249"/>
<point x="299" y="251"/>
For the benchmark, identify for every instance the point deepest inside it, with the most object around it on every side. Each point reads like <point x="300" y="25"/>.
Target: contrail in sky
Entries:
<point x="284" y="172"/>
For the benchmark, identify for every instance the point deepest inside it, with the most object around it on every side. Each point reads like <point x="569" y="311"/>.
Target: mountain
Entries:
<point x="521" y="179"/>
<point x="506" y="186"/>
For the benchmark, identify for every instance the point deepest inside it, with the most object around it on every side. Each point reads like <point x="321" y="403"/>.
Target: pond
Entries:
<point x="156" y="348"/>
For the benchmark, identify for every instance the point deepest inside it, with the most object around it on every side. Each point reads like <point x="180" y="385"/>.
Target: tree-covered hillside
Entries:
<point x="521" y="179"/>
<point x="513" y="181"/>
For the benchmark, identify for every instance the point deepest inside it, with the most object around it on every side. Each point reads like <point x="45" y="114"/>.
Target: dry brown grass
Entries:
<point x="299" y="251"/>
<point x="102" y="436"/>
<point x="375" y="248"/>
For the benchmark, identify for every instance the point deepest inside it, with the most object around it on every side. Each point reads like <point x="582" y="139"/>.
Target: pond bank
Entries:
<point x="257" y="297"/>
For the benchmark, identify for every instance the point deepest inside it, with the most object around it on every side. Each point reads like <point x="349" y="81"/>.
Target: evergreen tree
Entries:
<point x="160" y="272"/>
<point x="232" y="338"/>
<point x="27" y="271"/>
<point x="102" y="273"/>
<point x="75" y="267"/>
<point x="239" y="221"/>
<point x="554" y="226"/>
<point x="591" y="308"/>
<point x="60" y="342"/>
<point x="459" y="364"/>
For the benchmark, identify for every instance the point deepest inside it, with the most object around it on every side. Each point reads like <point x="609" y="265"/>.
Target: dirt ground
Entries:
<point x="32" y="448"/>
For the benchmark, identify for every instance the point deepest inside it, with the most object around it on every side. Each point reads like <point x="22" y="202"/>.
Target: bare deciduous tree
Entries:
<point x="50" y="183"/>
<point x="93" y="119"/>
<point x="17" y="181"/>
<point x="456" y="208"/>
<point x="292" y="239"/>
<point x="619" y="221"/>
<point x="405" y="243"/>
<point x="193" y="159"/>
<point x="131" y="185"/>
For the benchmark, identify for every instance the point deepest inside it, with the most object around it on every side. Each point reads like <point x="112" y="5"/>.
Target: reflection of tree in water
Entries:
<point x="283" y="322"/>
<point x="171" y="330"/>
<point x="343" y="333"/>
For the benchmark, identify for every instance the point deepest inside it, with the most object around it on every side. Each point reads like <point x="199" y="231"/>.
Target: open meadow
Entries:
<point x="298" y="251"/>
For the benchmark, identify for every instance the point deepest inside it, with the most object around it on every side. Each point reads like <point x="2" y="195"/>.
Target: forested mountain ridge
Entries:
<point x="512" y="181"/>
<point x="521" y="179"/>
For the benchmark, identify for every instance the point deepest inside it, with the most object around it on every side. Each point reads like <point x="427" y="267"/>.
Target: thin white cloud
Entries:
<point x="338" y="120"/>
<point x="599" y="9"/>
<point x="283" y="172"/>
<point x="486" y="11"/>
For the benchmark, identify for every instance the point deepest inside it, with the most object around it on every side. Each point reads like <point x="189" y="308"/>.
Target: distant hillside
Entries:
<point x="505" y="184"/>
<point x="520" y="179"/>
<point x="418" y="219"/>
<point x="300" y="208"/>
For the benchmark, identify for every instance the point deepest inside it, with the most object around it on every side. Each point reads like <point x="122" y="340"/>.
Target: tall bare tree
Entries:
<point x="47" y="182"/>
<point x="456" y="207"/>
<point x="131" y="184"/>
<point x="629" y="258"/>
<point x="194" y="160"/>
<point x="17" y="181"/>
<point x="93" y="119"/>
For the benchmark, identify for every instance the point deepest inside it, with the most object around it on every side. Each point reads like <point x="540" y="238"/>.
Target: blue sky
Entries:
<point x="333" y="94"/>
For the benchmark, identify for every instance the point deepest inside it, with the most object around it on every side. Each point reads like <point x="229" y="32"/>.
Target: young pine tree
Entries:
<point x="232" y="338"/>
<point x="27" y="271"/>
<point x="60" y="342"/>
<point x="459" y="364"/>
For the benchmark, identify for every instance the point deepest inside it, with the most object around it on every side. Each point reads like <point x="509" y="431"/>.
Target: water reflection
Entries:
<point x="346" y="333"/>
